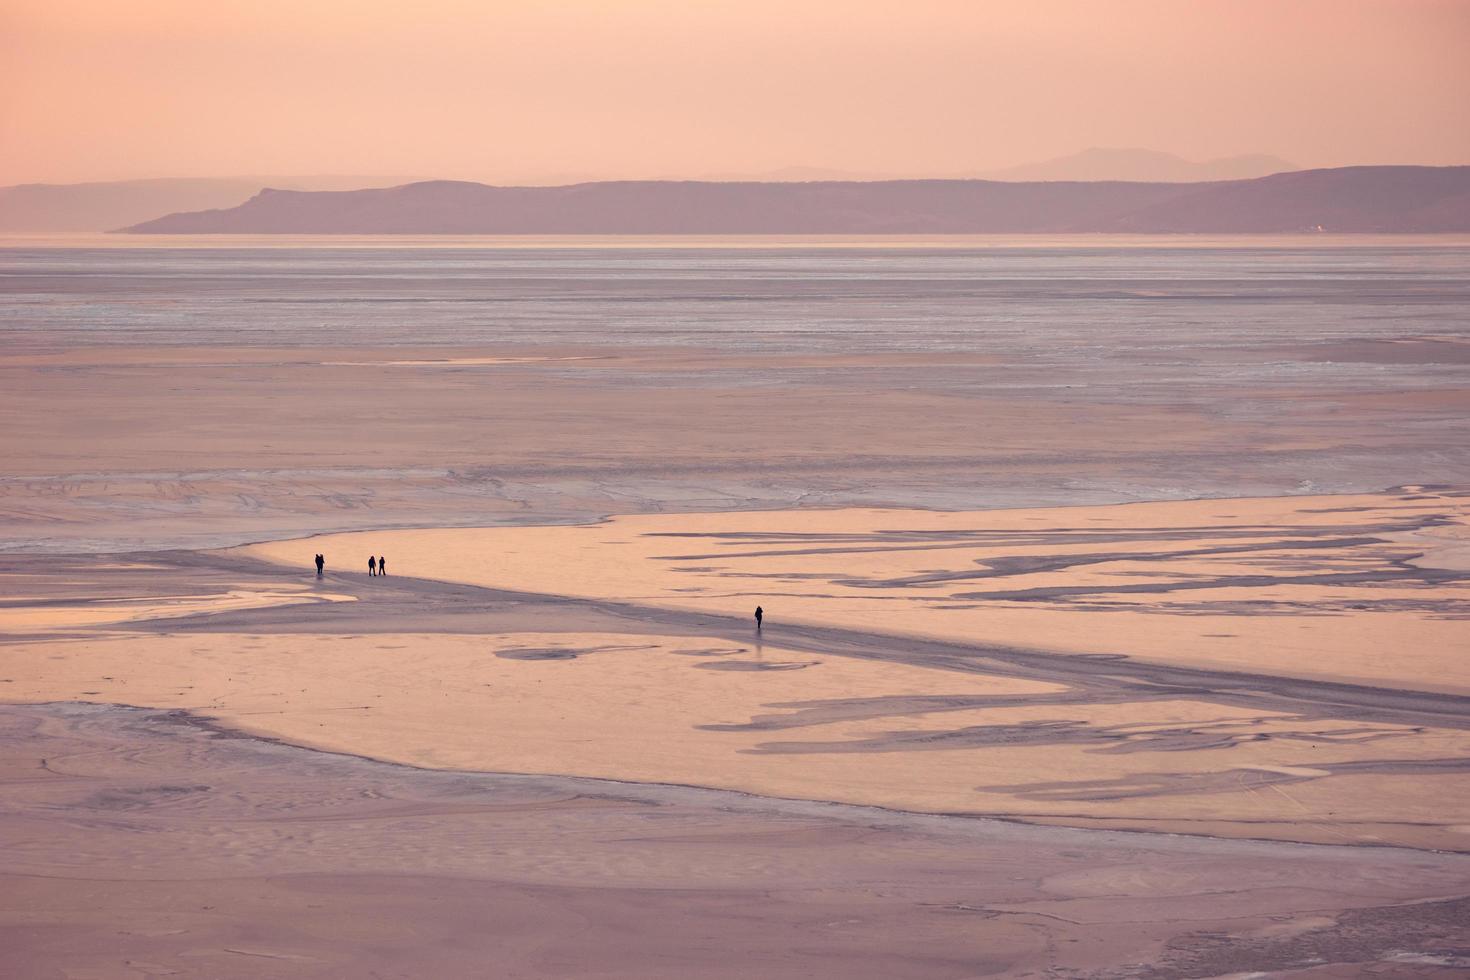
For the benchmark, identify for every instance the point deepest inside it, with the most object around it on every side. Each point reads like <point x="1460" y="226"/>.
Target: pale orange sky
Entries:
<point x="538" y="89"/>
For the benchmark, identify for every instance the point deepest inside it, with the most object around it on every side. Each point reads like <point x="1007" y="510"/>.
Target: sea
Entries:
<point x="1305" y="364"/>
<point x="1064" y="303"/>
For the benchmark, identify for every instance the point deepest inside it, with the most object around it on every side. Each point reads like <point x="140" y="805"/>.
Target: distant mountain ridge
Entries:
<point x="1347" y="199"/>
<point x="102" y="205"/>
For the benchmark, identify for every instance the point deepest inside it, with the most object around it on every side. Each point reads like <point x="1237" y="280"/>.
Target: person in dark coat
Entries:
<point x="372" y="565"/>
<point x="320" y="564"/>
<point x="382" y="565"/>
<point x="759" y="615"/>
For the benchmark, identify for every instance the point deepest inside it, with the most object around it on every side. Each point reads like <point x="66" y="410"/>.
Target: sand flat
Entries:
<point x="192" y="435"/>
<point x="460" y="677"/>
<point x="43" y="614"/>
<point x="1301" y="586"/>
<point x="141" y="843"/>
<point x="316" y="787"/>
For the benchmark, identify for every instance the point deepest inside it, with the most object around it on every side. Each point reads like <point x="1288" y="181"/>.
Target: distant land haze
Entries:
<point x="106" y="205"/>
<point x="1390" y="199"/>
<point x="103" y="205"/>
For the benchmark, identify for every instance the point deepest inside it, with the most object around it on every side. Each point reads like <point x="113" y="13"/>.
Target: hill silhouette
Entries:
<point x="101" y="205"/>
<point x="1348" y="199"/>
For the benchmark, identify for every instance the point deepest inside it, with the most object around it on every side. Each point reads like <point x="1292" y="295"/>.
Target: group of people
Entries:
<point x="377" y="565"/>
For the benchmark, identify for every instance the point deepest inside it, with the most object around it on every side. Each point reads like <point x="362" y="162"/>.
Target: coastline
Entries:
<point x="676" y="690"/>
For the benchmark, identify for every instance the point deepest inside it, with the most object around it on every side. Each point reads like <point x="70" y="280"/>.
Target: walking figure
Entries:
<point x="372" y="565"/>
<point x="382" y="565"/>
<point x="320" y="563"/>
<point x="759" y="615"/>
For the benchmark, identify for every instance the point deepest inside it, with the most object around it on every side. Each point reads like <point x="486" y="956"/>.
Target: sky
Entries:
<point x="541" y="90"/>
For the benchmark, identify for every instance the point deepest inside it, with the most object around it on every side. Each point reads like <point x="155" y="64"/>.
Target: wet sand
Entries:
<point x="146" y="843"/>
<point x="194" y="740"/>
<point x="641" y="669"/>
<point x="152" y="446"/>
<point x="186" y="732"/>
<point x="1357" y="588"/>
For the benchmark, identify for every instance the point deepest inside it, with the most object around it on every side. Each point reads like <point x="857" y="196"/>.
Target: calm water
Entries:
<point x="1059" y="303"/>
<point x="1293" y="366"/>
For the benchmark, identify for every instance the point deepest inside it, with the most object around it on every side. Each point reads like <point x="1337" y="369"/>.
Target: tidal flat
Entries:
<point x="1115" y="593"/>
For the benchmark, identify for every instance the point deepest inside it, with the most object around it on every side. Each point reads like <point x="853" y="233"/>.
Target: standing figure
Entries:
<point x="320" y="563"/>
<point x="372" y="565"/>
<point x="382" y="565"/>
<point x="759" y="615"/>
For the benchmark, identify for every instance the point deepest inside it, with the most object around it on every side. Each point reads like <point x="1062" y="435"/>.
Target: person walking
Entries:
<point x="382" y="565"/>
<point x="320" y="564"/>
<point x="372" y="565"/>
<point x="759" y="615"/>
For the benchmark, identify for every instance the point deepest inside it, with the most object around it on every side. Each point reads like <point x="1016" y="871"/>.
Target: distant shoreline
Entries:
<point x="956" y="242"/>
<point x="1346" y="199"/>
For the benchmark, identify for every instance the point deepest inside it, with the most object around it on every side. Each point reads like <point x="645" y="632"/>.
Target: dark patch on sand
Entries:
<point x="758" y="665"/>
<point x="1104" y="739"/>
<point x="709" y="651"/>
<point x="1421" y="940"/>
<point x="1225" y="781"/>
<point x="562" y="653"/>
<point x="542" y="654"/>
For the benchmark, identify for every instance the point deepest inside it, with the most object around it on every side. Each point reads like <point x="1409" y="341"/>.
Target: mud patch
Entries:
<point x="758" y="665"/>
<point x="561" y="653"/>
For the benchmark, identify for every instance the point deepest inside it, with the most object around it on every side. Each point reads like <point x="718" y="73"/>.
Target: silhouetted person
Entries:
<point x="372" y="565"/>
<point x="320" y="564"/>
<point x="382" y="565"/>
<point x="759" y="615"/>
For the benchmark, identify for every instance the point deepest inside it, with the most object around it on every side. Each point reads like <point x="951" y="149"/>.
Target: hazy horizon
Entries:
<point x="516" y="92"/>
<point x="1102" y="160"/>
